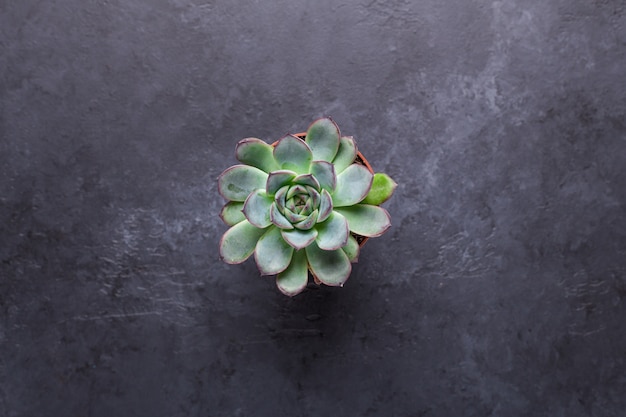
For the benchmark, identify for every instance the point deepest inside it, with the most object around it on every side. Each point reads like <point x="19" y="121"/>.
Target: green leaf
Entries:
<point x="323" y="139"/>
<point x="325" y="174"/>
<point x="366" y="220"/>
<point x="308" y="222"/>
<point x="272" y="253"/>
<point x="278" y="219"/>
<point x="296" y="189"/>
<point x="314" y="196"/>
<point x="382" y="188"/>
<point x="333" y="233"/>
<point x="345" y="155"/>
<point x="257" y="208"/>
<point x="294" y="279"/>
<point x="231" y="213"/>
<point x="238" y="181"/>
<point x="326" y="206"/>
<point x="299" y="239"/>
<point x="352" y="249"/>
<point x="307" y="179"/>
<point x="255" y="152"/>
<point x="293" y="154"/>
<point x="353" y="184"/>
<point x="308" y="206"/>
<point x="330" y="267"/>
<point x="277" y="179"/>
<point x="239" y="242"/>
<point x="293" y="217"/>
<point x="281" y="197"/>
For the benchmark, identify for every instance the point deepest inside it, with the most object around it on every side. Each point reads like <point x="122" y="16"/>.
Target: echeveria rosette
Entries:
<point x="293" y="206"/>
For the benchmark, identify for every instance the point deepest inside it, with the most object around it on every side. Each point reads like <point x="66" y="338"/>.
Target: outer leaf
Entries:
<point x="299" y="239"/>
<point x="238" y="181"/>
<point x="323" y="139"/>
<point x="293" y="154"/>
<point x="278" y="219"/>
<point x="325" y="174"/>
<point x="353" y="184"/>
<point x="239" y="242"/>
<point x="326" y="206"/>
<point x="382" y="188"/>
<point x="366" y="220"/>
<point x="346" y="154"/>
<point x="352" y="249"/>
<point x="255" y="152"/>
<point x="257" y="209"/>
<point x="272" y="253"/>
<point x="294" y="279"/>
<point x="333" y="233"/>
<point x="232" y="213"/>
<point x="330" y="267"/>
<point x="277" y="179"/>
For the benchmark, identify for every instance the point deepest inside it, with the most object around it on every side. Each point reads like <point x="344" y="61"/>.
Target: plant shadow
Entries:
<point x="320" y="314"/>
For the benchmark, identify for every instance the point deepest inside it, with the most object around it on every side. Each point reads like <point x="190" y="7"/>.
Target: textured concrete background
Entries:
<point x="500" y="289"/>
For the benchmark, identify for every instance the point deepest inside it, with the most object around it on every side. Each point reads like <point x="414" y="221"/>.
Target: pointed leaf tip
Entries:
<point x="239" y="241"/>
<point x="366" y="220"/>
<point x="278" y="219"/>
<point x="232" y="213"/>
<point x="323" y="138"/>
<point x="278" y="179"/>
<point x="294" y="279"/>
<point x="330" y="267"/>
<point x="255" y="152"/>
<point x="238" y="181"/>
<point x="324" y="172"/>
<point x="257" y="208"/>
<point x="346" y="154"/>
<point x="326" y="206"/>
<point x="293" y="154"/>
<point x="299" y="239"/>
<point x="353" y="184"/>
<point x="272" y="254"/>
<point x="352" y="249"/>
<point x="333" y="233"/>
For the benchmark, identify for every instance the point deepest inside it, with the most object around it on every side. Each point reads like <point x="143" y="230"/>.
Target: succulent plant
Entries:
<point x="300" y="204"/>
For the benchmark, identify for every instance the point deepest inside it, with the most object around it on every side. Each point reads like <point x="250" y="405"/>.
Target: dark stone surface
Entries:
<point x="500" y="290"/>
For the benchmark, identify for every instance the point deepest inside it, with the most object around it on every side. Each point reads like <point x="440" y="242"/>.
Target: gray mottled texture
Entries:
<point x="500" y="289"/>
